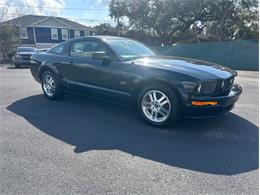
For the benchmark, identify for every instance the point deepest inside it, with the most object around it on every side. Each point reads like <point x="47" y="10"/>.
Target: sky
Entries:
<point x="87" y="12"/>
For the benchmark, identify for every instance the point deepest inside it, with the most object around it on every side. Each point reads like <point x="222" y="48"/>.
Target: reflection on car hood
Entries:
<point x="26" y="53"/>
<point x="196" y="68"/>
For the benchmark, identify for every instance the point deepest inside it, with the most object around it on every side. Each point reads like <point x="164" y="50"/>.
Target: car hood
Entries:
<point x="196" y="68"/>
<point x="26" y="53"/>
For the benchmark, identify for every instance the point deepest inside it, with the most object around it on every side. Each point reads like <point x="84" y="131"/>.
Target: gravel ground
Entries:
<point x="83" y="146"/>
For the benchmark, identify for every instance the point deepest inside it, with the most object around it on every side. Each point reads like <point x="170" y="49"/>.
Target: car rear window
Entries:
<point x="25" y="49"/>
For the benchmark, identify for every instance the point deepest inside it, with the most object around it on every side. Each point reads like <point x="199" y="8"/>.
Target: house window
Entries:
<point x="77" y="33"/>
<point x="87" y="33"/>
<point x="54" y="34"/>
<point x="64" y="33"/>
<point x="93" y="33"/>
<point x="23" y="33"/>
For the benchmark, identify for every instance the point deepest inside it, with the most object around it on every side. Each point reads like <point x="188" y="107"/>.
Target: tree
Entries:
<point x="190" y="20"/>
<point x="236" y="19"/>
<point x="117" y="10"/>
<point x="105" y="29"/>
<point x="8" y="37"/>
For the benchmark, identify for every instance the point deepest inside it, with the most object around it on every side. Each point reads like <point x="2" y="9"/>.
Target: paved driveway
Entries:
<point x="85" y="146"/>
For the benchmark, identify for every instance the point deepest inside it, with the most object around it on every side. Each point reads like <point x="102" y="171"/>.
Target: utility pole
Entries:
<point x="118" y="27"/>
<point x="118" y="22"/>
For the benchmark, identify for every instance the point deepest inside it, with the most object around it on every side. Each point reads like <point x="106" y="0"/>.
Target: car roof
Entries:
<point x="108" y="37"/>
<point x="101" y="37"/>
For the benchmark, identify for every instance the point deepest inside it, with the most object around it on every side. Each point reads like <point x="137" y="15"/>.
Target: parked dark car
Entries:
<point x="22" y="56"/>
<point x="165" y="88"/>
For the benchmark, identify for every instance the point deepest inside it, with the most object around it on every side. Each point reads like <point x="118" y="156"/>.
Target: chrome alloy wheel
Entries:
<point x="48" y="85"/>
<point x="156" y="106"/>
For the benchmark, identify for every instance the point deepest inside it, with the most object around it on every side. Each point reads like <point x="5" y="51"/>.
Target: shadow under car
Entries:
<point x="225" y="145"/>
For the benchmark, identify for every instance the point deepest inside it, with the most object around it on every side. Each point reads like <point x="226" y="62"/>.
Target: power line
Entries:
<point x="66" y="8"/>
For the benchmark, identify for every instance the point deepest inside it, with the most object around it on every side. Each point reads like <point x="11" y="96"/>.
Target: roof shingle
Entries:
<point x="29" y="20"/>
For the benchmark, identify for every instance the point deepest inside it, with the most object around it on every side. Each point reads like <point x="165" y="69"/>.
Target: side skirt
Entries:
<point x="96" y="92"/>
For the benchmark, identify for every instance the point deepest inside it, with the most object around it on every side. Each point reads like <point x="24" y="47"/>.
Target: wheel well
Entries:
<point x="43" y="69"/>
<point x="147" y="83"/>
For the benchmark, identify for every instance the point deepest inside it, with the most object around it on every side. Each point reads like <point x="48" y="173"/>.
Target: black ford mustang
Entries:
<point x="165" y="88"/>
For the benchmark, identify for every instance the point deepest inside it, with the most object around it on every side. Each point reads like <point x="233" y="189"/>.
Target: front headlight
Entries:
<point x="191" y="87"/>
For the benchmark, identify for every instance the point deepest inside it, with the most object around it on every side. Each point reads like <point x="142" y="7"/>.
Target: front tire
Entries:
<point x="51" y="86"/>
<point x="159" y="105"/>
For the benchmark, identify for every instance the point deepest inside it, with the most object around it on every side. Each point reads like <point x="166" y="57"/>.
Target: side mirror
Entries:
<point x="102" y="56"/>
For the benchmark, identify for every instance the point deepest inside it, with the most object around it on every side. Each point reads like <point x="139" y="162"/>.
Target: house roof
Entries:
<point x="34" y="20"/>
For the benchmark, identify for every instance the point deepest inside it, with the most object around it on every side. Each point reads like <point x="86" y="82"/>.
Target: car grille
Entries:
<point x="26" y="57"/>
<point x="208" y="87"/>
<point x="224" y="86"/>
<point x="217" y="87"/>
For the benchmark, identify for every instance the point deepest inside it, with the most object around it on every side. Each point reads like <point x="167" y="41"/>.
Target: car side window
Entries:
<point x="86" y="48"/>
<point x="58" y="49"/>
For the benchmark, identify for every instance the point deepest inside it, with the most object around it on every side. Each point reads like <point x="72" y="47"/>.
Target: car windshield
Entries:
<point x="128" y="49"/>
<point x="25" y="49"/>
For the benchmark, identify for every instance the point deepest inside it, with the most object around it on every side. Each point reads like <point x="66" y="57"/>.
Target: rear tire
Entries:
<point x="162" y="109"/>
<point x="51" y="86"/>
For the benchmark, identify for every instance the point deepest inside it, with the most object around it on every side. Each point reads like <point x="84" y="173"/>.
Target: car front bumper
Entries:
<point x="22" y="62"/>
<point x="224" y="104"/>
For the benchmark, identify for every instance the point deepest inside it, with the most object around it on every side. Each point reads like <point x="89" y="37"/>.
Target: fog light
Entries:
<point x="204" y="103"/>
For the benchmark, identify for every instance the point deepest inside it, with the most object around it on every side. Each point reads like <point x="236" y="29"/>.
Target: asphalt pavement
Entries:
<point x="83" y="146"/>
